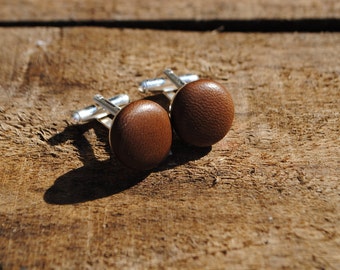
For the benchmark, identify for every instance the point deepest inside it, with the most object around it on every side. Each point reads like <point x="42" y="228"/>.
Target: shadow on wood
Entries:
<point x="99" y="179"/>
<point x="90" y="182"/>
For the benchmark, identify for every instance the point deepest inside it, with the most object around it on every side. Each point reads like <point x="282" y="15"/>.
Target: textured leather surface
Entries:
<point x="202" y="112"/>
<point x="141" y="135"/>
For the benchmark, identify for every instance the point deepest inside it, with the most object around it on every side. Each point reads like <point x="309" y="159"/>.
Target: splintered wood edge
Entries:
<point x="37" y="10"/>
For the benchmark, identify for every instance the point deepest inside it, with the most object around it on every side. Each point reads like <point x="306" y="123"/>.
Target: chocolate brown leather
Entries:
<point x="141" y="135"/>
<point x="202" y="112"/>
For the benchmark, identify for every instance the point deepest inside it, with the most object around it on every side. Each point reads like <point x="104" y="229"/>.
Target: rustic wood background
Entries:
<point x="265" y="197"/>
<point x="40" y="10"/>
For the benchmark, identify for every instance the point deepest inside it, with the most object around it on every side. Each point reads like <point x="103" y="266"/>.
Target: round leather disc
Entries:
<point x="202" y="112"/>
<point x="141" y="135"/>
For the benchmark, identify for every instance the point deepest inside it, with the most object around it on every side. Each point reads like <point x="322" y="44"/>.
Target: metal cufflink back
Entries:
<point x="202" y="110"/>
<point x="140" y="133"/>
<point x="166" y="85"/>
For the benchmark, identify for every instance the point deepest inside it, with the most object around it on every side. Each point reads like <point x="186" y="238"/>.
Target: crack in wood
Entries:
<point x="230" y="25"/>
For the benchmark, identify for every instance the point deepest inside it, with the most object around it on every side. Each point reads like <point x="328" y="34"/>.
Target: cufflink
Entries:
<point x="140" y="133"/>
<point x="201" y="110"/>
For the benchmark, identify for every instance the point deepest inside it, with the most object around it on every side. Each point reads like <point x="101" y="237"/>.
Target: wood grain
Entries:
<point x="160" y="10"/>
<point x="265" y="197"/>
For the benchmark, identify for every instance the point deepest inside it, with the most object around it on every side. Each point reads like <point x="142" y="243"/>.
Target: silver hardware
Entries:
<point x="95" y="112"/>
<point x="174" y="78"/>
<point x="164" y="85"/>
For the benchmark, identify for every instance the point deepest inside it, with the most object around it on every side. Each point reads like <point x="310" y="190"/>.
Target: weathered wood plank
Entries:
<point x="160" y="10"/>
<point x="267" y="196"/>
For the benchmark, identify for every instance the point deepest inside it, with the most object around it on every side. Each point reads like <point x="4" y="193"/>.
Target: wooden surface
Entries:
<point x="159" y="10"/>
<point x="266" y="197"/>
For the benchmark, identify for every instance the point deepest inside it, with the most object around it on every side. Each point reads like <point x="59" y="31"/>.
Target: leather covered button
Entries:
<point x="141" y="135"/>
<point x="202" y="112"/>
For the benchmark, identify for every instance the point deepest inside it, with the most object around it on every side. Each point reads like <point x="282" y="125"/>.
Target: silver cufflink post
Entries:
<point x="96" y="112"/>
<point x="163" y="84"/>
